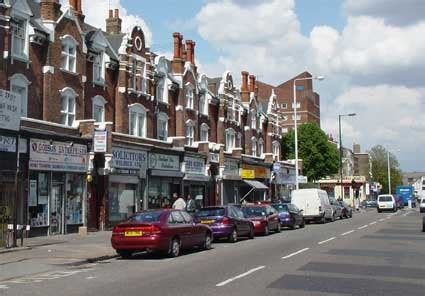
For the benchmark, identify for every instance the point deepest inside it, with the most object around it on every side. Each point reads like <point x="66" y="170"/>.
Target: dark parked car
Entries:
<point x="289" y="215"/>
<point x="225" y="222"/>
<point x="167" y="231"/>
<point x="347" y="210"/>
<point x="399" y="202"/>
<point x="337" y="209"/>
<point x="369" y="203"/>
<point x="264" y="217"/>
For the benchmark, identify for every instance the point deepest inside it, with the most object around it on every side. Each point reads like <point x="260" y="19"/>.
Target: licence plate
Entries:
<point x="207" y="221"/>
<point x="133" y="233"/>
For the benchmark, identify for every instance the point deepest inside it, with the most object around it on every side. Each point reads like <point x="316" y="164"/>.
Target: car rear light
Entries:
<point x="320" y="208"/>
<point x="117" y="231"/>
<point x="225" y="221"/>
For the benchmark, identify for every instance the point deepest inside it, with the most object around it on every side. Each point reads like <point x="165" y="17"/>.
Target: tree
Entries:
<point x="378" y="155"/>
<point x="320" y="157"/>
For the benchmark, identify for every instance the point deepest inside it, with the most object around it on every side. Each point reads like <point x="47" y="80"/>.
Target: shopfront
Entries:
<point x="283" y="181"/>
<point x="255" y="183"/>
<point x="164" y="179"/>
<point x="127" y="183"/>
<point x="197" y="181"/>
<point x="57" y="187"/>
<point x="231" y="182"/>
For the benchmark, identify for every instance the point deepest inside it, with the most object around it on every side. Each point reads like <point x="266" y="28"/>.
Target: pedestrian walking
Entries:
<point x="179" y="202"/>
<point x="190" y="204"/>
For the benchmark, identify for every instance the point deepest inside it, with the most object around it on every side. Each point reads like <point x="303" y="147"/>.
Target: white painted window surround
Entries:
<point x="162" y="126"/>
<point x="99" y="103"/>
<point x="68" y="106"/>
<point x="69" y="54"/>
<point x="204" y="132"/>
<point x="276" y="149"/>
<point x="253" y="119"/>
<point x="99" y="67"/>
<point x="137" y="120"/>
<point x="19" y="85"/>
<point x="20" y="38"/>
<point x="230" y="140"/>
<point x="203" y="104"/>
<point x="189" y="96"/>
<point x="254" y="146"/>
<point x="162" y="90"/>
<point x="260" y="147"/>
<point x="189" y="133"/>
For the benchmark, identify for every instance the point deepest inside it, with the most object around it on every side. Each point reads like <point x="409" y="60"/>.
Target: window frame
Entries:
<point x="68" y="94"/>
<point x="253" y="146"/>
<point x="261" y="147"/>
<point x="68" y="42"/>
<point x="189" y="133"/>
<point x="204" y="129"/>
<point x="24" y="54"/>
<point x="162" y="117"/>
<point x="99" y="101"/>
<point x="189" y="96"/>
<point x="19" y="80"/>
<point x="253" y="119"/>
<point x="203" y="106"/>
<point x="138" y="110"/>
<point x="230" y="134"/>
<point x="100" y="66"/>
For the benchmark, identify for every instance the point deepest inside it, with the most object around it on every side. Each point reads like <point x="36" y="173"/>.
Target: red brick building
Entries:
<point x="108" y="127"/>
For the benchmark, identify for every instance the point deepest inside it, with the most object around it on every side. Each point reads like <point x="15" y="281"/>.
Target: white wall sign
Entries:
<point x="164" y="162"/>
<point x="130" y="159"/>
<point x="214" y="157"/>
<point x="100" y="141"/>
<point x="194" y="165"/>
<point x="231" y="167"/>
<point x="57" y="156"/>
<point x="7" y="144"/>
<point x="10" y="110"/>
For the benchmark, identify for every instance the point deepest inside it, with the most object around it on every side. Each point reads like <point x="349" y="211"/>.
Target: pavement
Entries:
<point x="370" y="254"/>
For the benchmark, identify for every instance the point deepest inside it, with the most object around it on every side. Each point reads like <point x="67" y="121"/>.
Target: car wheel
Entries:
<point x="251" y="233"/>
<point x="379" y="211"/>
<point x="208" y="241"/>
<point x="233" y="237"/>
<point x="279" y="227"/>
<point x="293" y="224"/>
<point x="125" y="254"/>
<point x="266" y="230"/>
<point x="302" y="225"/>
<point x="333" y="217"/>
<point x="174" y="250"/>
<point x="323" y="220"/>
<point x="395" y="210"/>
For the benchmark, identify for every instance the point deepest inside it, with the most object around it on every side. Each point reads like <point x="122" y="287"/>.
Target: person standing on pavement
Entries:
<point x="179" y="203"/>
<point x="190" y="204"/>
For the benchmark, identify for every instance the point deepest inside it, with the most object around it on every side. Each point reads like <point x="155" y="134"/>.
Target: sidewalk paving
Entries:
<point x="70" y="248"/>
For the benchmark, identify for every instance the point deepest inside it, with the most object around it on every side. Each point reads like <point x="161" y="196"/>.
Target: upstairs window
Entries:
<point x="68" y="107"/>
<point x="253" y="120"/>
<point x="204" y="132"/>
<point x="230" y="140"/>
<point x="276" y="150"/>
<point x="99" y="109"/>
<point x="19" y="85"/>
<point x="133" y="74"/>
<point x="99" y="68"/>
<point x="260" y="147"/>
<point x="143" y="80"/>
<point x="203" y="104"/>
<point x="162" y="126"/>
<point x="69" y="54"/>
<point x="162" y="90"/>
<point x="254" y="146"/>
<point x="239" y="140"/>
<point x="189" y="133"/>
<point x="137" y="120"/>
<point x="189" y="97"/>
<point x="19" y="38"/>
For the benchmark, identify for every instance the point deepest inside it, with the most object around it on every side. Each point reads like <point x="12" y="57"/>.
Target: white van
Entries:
<point x="386" y="202"/>
<point x="314" y="203"/>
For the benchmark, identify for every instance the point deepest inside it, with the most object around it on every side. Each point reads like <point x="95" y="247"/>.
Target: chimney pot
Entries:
<point x="73" y="4"/>
<point x="117" y="13"/>
<point x="193" y="52"/>
<point x="189" y="51"/>
<point x="79" y="10"/>
<point x="251" y="83"/>
<point x="111" y="13"/>
<point x="177" y="45"/>
<point x="114" y="22"/>
<point x="244" y="81"/>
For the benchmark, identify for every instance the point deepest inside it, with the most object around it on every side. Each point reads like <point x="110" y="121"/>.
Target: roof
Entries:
<point x="214" y="84"/>
<point x="115" y="40"/>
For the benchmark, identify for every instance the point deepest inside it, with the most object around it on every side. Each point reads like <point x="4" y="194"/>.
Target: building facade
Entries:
<point x="106" y="127"/>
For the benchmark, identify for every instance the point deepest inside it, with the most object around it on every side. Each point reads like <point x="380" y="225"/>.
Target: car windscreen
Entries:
<point x="209" y="212"/>
<point x="146" y="217"/>
<point x="385" y="198"/>
<point x="254" y="211"/>
<point x="281" y="207"/>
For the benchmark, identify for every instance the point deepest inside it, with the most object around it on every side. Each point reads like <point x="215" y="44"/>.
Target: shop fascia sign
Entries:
<point x="10" y="110"/>
<point x="57" y="156"/>
<point x="130" y="159"/>
<point x="253" y="171"/>
<point x="194" y="165"/>
<point x="164" y="162"/>
<point x="7" y="144"/>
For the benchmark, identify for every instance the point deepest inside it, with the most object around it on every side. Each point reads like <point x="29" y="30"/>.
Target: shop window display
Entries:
<point x="74" y="201"/>
<point x="39" y="199"/>
<point x="159" y="195"/>
<point x="122" y="201"/>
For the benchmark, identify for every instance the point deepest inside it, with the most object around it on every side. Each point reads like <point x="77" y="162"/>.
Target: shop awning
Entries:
<point x="256" y="184"/>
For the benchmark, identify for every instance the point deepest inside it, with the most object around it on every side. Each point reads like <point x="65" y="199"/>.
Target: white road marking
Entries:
<point x="363" y="227"/>
<point x="45" y="276"/>
<point x="347" y="233"/>
<point x="383" y="219"/>
<point x="239" y="276"/>
<point x="4" y="287"/>
<point x="90" y="278"/>
<point x="328" y="240"/>
<point x="296" y="253"/>
<point x="373" y="223"/>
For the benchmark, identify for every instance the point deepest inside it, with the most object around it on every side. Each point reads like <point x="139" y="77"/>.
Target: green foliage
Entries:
<point x="320" y="157"/>
<point x="379" y="158"/>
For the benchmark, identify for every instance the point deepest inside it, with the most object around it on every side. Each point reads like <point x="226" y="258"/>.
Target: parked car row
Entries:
<point x="169" y="231"/>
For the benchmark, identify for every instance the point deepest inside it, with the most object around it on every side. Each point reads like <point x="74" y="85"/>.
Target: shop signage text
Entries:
<point x="194" y="165"/>
<point x="10" y="110"/>
<point x="100" y="141"/>
<point x="57" y="156"/>
<point x="7" y="144"/>
<point x="164" y="162"/>
<point x="259" y="172"/>
<point x="129" y="159"/>
<point x="248" y="174"/>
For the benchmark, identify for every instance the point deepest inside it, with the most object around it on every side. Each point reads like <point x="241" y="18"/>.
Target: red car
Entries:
<point x="167" y="231"/>
<point x="264" y="217"/>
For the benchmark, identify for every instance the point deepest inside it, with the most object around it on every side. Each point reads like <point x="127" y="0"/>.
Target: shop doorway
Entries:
<point x="56" y="209"/>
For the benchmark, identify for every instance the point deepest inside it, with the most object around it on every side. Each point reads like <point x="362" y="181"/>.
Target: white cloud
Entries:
<point x="96" y="12"/>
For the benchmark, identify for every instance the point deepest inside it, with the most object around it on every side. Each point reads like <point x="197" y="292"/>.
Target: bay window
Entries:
<point x="137" y="120"/>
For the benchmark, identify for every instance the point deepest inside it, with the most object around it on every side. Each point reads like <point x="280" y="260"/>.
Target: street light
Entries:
<point x="340" y="147"/>
<point x="389" y="168"/>
<point x="297" y="186"/>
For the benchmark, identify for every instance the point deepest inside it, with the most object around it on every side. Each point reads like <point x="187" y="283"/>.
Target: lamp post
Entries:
<point x="297" y="186"/>
<point x="340" y="148"/>
<point x="389" y="169"/>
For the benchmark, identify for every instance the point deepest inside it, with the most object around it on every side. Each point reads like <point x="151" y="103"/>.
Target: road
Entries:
<point x="370" y="254"/>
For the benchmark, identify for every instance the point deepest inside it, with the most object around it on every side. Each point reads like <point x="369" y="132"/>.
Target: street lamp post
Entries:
<point x="389" y="169"/>
<point x="340" y="148"/>
<point x="297" y="186"/>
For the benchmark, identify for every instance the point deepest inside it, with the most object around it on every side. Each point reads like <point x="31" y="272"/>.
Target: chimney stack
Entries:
<point x="114" y="22"/>
<point x="73" y="4"/>
<point x="193" y="52"/>
<point x="50" y="10"/>
<point x="189" y="50"/>
<point x="251" y="83"/>
<point x="244" y="88"/>
<point x="177" y="45"/>
<point x="79" y="9"/>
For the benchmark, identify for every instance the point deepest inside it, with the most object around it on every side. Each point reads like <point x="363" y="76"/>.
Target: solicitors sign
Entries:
<point x="129" y="159"/>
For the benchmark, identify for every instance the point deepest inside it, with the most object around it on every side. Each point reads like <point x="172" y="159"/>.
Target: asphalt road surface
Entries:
<point x="370" y="254"/>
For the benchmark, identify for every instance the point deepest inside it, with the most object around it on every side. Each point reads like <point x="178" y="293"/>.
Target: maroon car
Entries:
<point x="264" y="217"/>
<point x="167" y="231"/>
